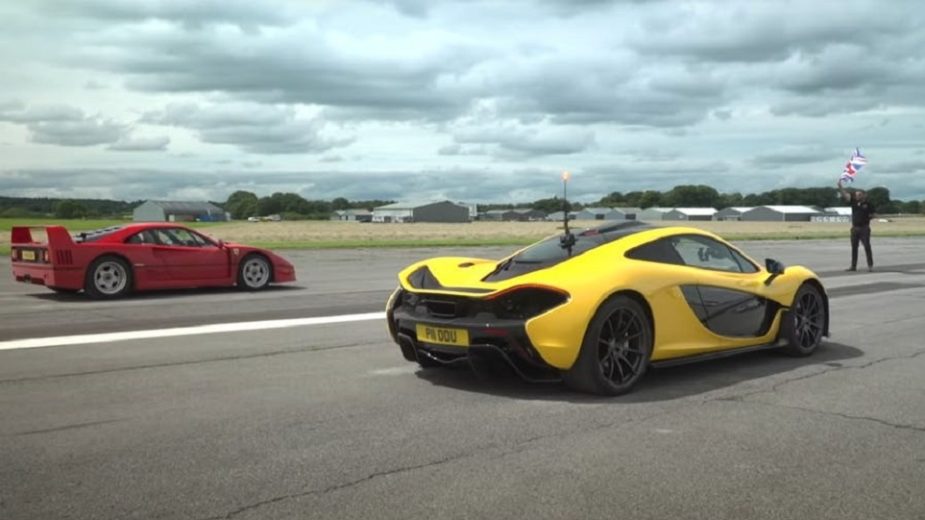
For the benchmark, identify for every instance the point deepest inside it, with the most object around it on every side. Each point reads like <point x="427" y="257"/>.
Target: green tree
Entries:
<point x="649" y="198"/>
<point x="340" y="203"/>
<point x="613" y="199"/>
<point x="548" y="205"/>
<point x="691" y="196"/>
<point x="913" y="206"/>
<point x="70" y="209"/>
<point x="880" y="198"/>
<point x="241" y="204"/>
<point x="728" y="200"/>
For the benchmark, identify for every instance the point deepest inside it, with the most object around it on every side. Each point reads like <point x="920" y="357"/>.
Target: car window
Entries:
<point x="180" y="237"/>
<point x="660" y="251"/>
<point x="706" y="253"/>
<point x="745" y="265"/>
<point x="550" y="251"/>
<point x="142" y="237"/>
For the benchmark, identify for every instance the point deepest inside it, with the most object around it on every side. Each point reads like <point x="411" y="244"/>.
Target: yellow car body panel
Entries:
<point x="594" y="276"/>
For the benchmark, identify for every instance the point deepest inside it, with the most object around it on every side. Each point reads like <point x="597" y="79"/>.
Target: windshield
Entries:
<point x="551" y="251"/>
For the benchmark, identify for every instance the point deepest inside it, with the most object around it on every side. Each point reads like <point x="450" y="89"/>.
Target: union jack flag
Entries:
<point x="853" y="166"/>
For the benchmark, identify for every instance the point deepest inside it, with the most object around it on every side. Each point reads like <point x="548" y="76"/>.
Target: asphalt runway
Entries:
<point x="329" y="421"/>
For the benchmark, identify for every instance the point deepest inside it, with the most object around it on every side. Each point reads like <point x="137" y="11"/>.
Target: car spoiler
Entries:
<point x="56" y="236"/>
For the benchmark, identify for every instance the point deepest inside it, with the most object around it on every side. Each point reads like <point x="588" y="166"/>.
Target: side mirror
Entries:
<point x="773" y="267"/>
<point x="221" y="243"/>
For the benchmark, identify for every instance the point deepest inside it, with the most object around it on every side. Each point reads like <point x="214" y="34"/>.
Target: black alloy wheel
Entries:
<point x="807" y="322"/>
<point x="616" y="349"/>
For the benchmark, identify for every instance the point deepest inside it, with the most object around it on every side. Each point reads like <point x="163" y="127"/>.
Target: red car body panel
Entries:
<point x="60" y="262"/>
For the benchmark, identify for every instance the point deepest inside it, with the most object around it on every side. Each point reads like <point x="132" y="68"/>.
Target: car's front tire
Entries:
<point x="108" y="277"/>
<point x="804" y="325"/>
<point x="616" y="349"/>
<point x="254" y="273"/>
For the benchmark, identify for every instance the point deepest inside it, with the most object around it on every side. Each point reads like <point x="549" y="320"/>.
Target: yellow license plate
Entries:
<point x="443" y="336"/>
<point x="28" y="255"/>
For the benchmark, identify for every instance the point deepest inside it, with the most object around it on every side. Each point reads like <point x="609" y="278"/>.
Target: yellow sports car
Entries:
<point x="596" y="308"/>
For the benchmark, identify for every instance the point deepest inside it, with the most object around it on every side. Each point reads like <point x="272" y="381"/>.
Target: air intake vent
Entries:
<point x="441" y="308"/>
<point x="64" y="257"/>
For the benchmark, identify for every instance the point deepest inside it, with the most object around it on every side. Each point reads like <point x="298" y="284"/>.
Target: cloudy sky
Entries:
<point x="467" y="100"/>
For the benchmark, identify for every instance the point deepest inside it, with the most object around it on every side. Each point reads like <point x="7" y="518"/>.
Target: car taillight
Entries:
<point x="45" y="256"/>
<point x="14" y="254"/>
<point x="526" y="302"/>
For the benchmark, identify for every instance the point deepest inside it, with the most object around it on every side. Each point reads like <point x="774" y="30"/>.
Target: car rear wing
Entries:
<point x="50" y="236"/>
<point x="41" y="245"/>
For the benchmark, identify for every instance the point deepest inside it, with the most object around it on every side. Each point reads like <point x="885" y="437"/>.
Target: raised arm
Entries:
<point x="844" y="193"/>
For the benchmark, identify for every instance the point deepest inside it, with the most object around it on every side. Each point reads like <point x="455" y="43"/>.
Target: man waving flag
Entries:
<point x="853" y="166"/>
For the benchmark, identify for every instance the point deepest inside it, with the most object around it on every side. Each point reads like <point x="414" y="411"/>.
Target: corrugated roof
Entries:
<point x="413" y="204"/>
<point x="841" y="210"/>
<point x="660" y="210"/>
<point x="791" y="209"/>
<point x="696" y="211"/>
<point x="739" y="209"/>
<point x="190" y="207"/>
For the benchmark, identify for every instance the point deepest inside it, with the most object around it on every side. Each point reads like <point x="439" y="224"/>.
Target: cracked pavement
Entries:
<point x="329" y="422"/>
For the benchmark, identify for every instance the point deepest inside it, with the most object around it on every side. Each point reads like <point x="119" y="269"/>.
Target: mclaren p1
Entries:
<point x="597" y="308"/>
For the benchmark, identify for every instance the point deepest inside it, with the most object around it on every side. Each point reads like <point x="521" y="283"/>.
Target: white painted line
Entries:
<point x="185" y="331"/>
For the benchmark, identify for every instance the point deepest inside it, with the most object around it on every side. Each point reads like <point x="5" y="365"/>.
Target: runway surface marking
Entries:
<point x="246" y="326"/>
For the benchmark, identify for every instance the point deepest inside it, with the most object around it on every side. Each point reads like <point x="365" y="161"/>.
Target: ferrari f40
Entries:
<point x="598" y="307"/>
<point x="112" y="262"/>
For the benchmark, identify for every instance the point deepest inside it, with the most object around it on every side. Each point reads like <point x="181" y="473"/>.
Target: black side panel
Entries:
<point x="729" y="312"/>
<point x="692" y="295"/>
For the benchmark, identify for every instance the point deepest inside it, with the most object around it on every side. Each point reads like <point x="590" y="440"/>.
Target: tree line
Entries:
<point x="694" y="196"/>
<point x="292" y="206"/>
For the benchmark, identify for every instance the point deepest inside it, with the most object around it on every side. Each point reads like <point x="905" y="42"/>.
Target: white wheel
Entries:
<point x="254" y="273"/>
<point x="108" y="277"/>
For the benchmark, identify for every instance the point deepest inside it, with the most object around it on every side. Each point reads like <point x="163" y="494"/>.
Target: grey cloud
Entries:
<point x="194" y="14"/>
<point x="63" y="125"/>
<point x="141" y="144"/>
<point x="902" y="167"/>
<point x="525" y="141"/>
<point x="260" y="129"/>
<point x="16" y="112"/>
<point x="768" y="31"/>
<point x="793" y="155"/>
<point x="89" y="132"/>
<point x="296" y="66"/>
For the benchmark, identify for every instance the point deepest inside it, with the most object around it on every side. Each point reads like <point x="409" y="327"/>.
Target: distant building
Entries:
<point x="733" y="213"/>
<point x="833" y="215"/>
<point x="528" y="214"/>
<point x="438" y="211"/>
<point x="627" y="212"/>
<point x="557" y="216"/>
<point x="353" y="215"/>
<point x="500" y="214"/>
<point x="608" y="214"/>
<point x="178" y="211"/>
<point x="780" y="214"/>
<point x="653" y="213"/>
<point x="473" y="209"/>
<point x="690" y="214"/>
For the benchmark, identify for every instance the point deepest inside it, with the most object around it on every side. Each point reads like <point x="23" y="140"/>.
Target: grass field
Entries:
<point x="328" y="234"/>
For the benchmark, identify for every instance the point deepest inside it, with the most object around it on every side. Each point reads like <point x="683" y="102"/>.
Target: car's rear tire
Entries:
<point x="108" y="277"/>
<point x="254" y="273"/>
<point x="616" y="349"/>
<point x="804" y="324"/>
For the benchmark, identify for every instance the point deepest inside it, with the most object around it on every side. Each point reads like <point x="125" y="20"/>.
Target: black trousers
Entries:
<point x="861" y="234"/>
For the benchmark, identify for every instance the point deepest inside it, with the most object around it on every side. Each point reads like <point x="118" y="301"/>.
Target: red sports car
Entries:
<point x="111" y="262"/>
